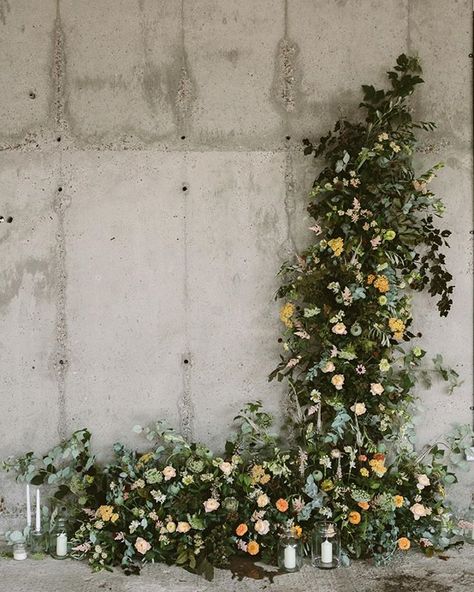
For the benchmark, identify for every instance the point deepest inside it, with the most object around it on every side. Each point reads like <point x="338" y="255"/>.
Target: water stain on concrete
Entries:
<point x="4" y="8"/>
<point x="13" y="279"/>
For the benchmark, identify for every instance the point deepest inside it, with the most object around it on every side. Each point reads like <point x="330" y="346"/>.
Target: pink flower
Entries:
<point x="169" y="472"/>
<point x="316" y="228"/>
<point x="211" y="505"/>
<point x="375" y="242"/>
<point x="142" y="546"/>
<point x="119" y="536"/>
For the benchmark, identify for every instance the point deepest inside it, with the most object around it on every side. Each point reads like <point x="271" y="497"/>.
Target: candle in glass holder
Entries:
<point x="326" y="552"/>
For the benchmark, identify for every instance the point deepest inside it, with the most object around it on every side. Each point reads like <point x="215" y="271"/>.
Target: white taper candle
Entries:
<point x="28" y="506"/>
<point x="38" y="511"/>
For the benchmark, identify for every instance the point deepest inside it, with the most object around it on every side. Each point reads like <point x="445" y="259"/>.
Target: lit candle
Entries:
<point x="19" y="552"/>
<point x="326" y="552"/>
<point x="28" y="506"/>
<point x="61" y="545"/>
<point x="38" y="511"/>
<point x="290" y="558"/>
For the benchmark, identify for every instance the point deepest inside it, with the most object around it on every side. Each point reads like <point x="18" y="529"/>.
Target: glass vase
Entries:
<point x="326" y="547"/>
<point x="58" y="540"/>
<point x="290" y="552"/>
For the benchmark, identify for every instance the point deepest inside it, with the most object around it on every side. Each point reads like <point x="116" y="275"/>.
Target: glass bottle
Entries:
<point x="36" y="542"/>
<point x="19" y="551"/>
<point x="58" y="541"/>
<point x="468" y="523"/>
<point x="290" y="552"/>
<point x="325" y="548"/>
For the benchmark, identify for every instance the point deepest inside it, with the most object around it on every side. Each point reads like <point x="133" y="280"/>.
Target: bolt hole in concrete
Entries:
<point x="58" y="139"/>
<point x="183" y="137"/>
<point x="60" y="189"/>
<point x="185" y="187"/>
<point x="61" y="362"/>
<point x="288" y="137"/>
<point x="32" y="95"/>
<point x="8" y="220"/>
<point x="185" y="361"/>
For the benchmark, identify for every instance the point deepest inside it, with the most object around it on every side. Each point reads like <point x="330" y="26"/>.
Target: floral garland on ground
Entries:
<point x="350" y="457"/>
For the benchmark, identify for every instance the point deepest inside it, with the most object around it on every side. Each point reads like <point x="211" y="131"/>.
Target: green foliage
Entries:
<point x="348" y="455"/>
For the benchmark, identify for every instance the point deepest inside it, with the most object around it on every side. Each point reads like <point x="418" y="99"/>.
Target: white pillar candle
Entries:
<point x="326" y="552"/>
<point x="290" y="558"/>
<point x="28" y="506"/>
<point x="38" y="511"/>
<point x="61" y="545"/>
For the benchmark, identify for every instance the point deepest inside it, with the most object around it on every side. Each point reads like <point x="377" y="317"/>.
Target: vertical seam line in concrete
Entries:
<point x="59" y="72"/>
<point x="61" y="361"/>
<point x="186" y="411"/>
<point x="288" y="174"/>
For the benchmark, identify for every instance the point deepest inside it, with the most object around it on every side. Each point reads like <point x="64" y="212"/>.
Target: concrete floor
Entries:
<point x="414" y="573"/>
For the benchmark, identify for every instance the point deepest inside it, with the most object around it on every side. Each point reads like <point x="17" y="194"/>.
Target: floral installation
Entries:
<point x="348" y="454"/>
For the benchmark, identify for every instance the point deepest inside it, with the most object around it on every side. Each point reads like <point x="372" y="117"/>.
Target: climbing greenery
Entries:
<point x="347" y="454"/>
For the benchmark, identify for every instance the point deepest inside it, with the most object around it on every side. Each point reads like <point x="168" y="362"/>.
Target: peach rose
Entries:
<point x="142" y="546"/>
<point x="211" y="505"/>
<point x="169" y="472"/>
<point x="282" y="505"/>
<point x="338" y="381"/>
<point x="183" y="527"/>
<point x="263" y="500"/>
<point x="363" y="505"/>
<point x="339" y="329"/>
<point x="398" y="501"/>
<point x="262" y="527"/>
<point x="404" y="543"/>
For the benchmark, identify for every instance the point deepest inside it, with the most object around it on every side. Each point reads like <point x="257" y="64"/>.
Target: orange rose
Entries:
<point x="379" y="456"/>
<point x="363" y="505"/>
<point x="404" y="543"/>
<point x="398" y="501"/>
<point x="241" y="529"/>
<point x="354" y="517"/>
<point x="282" y="505"/>
<point x="253" y="548"/>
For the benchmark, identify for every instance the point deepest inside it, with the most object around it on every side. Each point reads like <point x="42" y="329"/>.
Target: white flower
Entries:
<point x="263" y="500"/>
<point x="338" y="381"/>
<point x="169" y="472"/>
<point x="133" y="526"/>
<point x="376" y="388"/>
<point x="226" y="468"/>
<point x="339" y="329"/>
<point x="423" y="481"/>
<point x="211" y="505"/>
<point x="359" y="408"/>
<point x="383" y="136"/>
<point x="262" y="526"/>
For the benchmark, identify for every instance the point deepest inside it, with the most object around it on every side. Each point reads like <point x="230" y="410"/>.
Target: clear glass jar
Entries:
<point x="19" y="551"/>
<point x="290" y="552"/>
<point x="58" y="541"/>
<point x="36" y="542"/>
<point x="468" y="524"/>
<point x="325" y="547"/>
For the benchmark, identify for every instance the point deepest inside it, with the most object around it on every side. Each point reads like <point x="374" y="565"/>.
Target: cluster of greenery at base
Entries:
<point x="347" y="454"/>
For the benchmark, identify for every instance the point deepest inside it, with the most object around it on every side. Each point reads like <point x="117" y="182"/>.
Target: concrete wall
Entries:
<point x="150" y="158"/>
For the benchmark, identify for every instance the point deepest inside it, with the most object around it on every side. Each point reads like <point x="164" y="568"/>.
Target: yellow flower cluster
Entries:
<point x="286" y="312"/>
<point x="337" y="245"/>
<point x="258" y="475"/>
<point x="107" y="513"/>
<point x="381" y="283"/>
<point x="397" y="326"/>
<point x="378" y="467"/>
